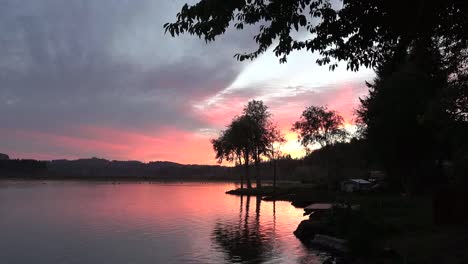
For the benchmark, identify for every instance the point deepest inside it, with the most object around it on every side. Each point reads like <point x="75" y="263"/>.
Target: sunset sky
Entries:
<point x="82" y="79"/>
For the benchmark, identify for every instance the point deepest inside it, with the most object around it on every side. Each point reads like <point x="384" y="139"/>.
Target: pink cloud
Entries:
<point x="342" y="98"/>
<point x="221" y="113"/>
<point x="287" y="107"/>
<point x="169" y="142"/>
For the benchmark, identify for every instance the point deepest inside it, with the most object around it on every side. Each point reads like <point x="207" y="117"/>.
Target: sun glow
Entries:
<point x="287" y="89"/>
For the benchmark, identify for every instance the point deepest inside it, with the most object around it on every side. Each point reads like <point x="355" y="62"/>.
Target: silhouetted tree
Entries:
<point x="235" y="144"/>
<point x="318" y="125"/>
<point x="360" y="32"/>
<point x="403" y="114"/>
<point x="225" y="149"/>
<point x="274" y="150"/>
<point x="248" y="137"/>
<point x="457" y="94"/>
<point x="263" y="133"/>
<point x="456" y="103"/>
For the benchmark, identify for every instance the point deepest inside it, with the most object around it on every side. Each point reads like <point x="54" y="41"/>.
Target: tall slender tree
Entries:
<point x="259" y="114"/>
<point x="241" y="129"/>
<point x="274" y="150"/>
<point x="263" y="134"/>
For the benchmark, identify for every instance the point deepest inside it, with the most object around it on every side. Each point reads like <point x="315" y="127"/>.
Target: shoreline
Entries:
<point x="114" y="179"/>
<point x="128" y="179"/>
<point x="387" y="227"/>
<point x="300" y="195"/>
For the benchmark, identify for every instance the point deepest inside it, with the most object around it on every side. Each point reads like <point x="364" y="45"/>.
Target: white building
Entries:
<point x="353" y="185"/>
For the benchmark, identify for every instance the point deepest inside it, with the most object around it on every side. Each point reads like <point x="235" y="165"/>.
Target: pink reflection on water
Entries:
<point x="147" y="223"/>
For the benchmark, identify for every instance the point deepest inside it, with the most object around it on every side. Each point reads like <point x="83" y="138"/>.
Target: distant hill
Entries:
<point x="102" y="168"/>
<point x="24" y="167"/>
<point x="350" y="160"/>
<point x="4" y="156"/>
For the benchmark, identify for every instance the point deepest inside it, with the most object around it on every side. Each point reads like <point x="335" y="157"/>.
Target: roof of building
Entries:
<point x="360" y="181"/>
<point x="319" y="206"/>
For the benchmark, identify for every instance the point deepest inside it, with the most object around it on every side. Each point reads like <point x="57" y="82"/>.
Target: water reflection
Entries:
<point x="90" y="222"/>
<point x="247" y="241"/>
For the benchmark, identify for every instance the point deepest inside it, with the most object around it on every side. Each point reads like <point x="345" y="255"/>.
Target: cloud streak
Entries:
<point x="99" y="78"/>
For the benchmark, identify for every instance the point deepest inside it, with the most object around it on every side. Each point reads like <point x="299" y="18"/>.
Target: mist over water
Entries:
<point x="105" y="222"/>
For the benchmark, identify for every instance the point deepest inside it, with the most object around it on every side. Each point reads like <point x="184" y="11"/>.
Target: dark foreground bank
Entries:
<point x="387" y="228"/>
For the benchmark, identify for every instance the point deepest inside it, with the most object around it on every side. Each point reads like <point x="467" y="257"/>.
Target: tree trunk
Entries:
<point x="247" y="172"/>
<point x="241" y="175"/>
<point x="327" y="156"/>
<point x="331" y="177"/>
<point x="274" y="174"/>
<point x="257" y="173"/>
<point x="242" y="181"/>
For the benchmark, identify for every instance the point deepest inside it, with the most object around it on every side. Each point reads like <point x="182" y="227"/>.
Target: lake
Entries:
<point x="130" y="222"/>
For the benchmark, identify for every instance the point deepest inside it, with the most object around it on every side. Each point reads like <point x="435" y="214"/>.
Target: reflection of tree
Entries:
<point x="245" y="241"/>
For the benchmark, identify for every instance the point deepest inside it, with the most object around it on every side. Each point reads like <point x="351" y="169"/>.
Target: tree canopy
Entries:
<point x="248" y="137"/>
<point x="318" y="125"/>
<point x="360" y="32"/>
<point x="408" y="117"/>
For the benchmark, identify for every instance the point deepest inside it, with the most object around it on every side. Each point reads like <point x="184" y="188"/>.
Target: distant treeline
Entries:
<point x="349" y="161"/>
<point x="340" y="161"/>
<point x="23" y="168"/>
<point x="102" y="168"/>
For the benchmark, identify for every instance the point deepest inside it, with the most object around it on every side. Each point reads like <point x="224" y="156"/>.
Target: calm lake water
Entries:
<point x="100" y="222"/>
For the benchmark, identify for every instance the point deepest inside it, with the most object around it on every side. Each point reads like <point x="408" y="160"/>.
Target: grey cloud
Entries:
<point x="105" y="62"/>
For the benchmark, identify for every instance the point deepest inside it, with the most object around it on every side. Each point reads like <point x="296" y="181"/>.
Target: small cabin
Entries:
<point x="355" y="185"/>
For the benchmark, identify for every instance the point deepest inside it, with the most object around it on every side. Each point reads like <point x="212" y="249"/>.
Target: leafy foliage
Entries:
<point x="248" y="137"/>
<point x="265" y="133"/>
<point x="457" y="94"/>
<point x="360" y="32"/>
<point x="318" y="125"/>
